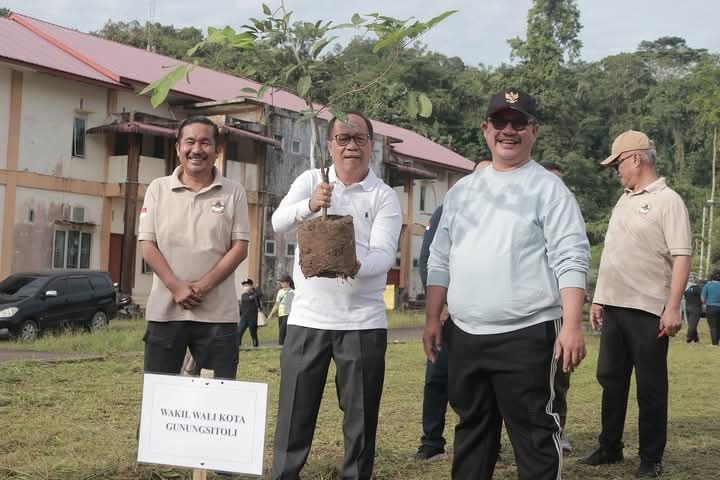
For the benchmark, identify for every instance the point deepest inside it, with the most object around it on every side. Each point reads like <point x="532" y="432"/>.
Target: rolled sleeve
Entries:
<point x="572" y="279"/>
<point x="676" y="228"/>
<point x="146" y="222"/>
<point x="241" y="223"/>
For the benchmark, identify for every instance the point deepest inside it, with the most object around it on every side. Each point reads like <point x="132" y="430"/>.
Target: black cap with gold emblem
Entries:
<point x="512" y="98"/>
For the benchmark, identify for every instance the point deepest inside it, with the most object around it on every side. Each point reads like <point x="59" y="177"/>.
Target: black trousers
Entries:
<point x="504" y="376"/>
<point x="693" y="318"/>
<point x="282" y="329"/>
<point x="359" y="357"/>
<point x="435" y="401"/>
<point x="713" y="318"/>
<point x="212" y="345"/>
<point x="252" y="325"/>
<point x="630" y="340"/>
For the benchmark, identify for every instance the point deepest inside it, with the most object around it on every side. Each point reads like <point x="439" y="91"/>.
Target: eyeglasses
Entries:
<point x="518" y="123"/>
<point x="343" y="139"/>
<point x="616" y="165"/>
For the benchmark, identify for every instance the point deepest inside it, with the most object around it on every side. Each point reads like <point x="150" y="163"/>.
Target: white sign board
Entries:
<point x="203" y="423"/>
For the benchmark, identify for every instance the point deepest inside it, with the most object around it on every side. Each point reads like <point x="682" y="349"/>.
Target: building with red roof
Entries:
<point x="78" y="145"/>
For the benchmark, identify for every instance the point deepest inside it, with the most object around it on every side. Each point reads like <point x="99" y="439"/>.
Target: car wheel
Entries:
<point x="28" y="331"/>
<point x="99" y="321"/>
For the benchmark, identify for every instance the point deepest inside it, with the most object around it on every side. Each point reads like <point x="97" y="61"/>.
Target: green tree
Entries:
<point x="4" y="12"/>
<point x="163" y="39"/>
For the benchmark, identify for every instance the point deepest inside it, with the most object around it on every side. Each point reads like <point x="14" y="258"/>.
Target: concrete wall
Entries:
<point x="2" y="214"/>
<point x="150" y="169"/>
<point x="5" y="75"/>
<point x="130" y="101"/>
<point x="49" y="106"/>
<point x="34" y="234"/>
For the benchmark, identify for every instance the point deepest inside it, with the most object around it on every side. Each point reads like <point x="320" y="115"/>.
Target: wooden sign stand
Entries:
<point x="200" y="473"/>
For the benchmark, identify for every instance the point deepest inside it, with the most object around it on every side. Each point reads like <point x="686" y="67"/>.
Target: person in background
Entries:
<point x="250" y="304"/>
<point x="693" y="308"/>
<point x="283" y="305"/>
<point x="643" y="273"/>
<point x="711" y="298"/>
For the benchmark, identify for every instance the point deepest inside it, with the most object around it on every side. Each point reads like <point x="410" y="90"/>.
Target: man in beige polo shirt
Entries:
<point x="193" y="233"/>
<point x="643" y="273"/>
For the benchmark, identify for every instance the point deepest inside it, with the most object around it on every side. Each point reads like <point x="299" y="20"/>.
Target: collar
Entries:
<point x="368" y="183"/>
<point x="654" y="187"/>
<point x="175" y="182"/>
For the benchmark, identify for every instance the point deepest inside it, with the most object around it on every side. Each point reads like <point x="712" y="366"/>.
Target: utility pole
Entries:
<point x="712" y="205"/>
<point x="701" y="268"/>
<point x="148" y="25"/>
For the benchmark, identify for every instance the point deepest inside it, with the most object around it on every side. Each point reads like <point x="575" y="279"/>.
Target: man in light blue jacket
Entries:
<point x="511" y="256"/>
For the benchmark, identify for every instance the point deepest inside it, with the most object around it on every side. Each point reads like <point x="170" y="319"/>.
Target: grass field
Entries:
<point x="76" y="420"/>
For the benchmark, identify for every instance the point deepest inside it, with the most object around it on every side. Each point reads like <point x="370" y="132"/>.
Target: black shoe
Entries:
<point x="649" y="470"/>
<point x="430" y="453"/>
<point x="602" y="457"/>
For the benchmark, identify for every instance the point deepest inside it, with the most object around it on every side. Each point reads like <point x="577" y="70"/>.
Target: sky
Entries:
<point x="477" y="34"/>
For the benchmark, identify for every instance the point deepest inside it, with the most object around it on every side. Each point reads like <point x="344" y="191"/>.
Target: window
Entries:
<point x="270" y="248"/>
<point x="423" y="197"/>
<point x="290" y="249"/>
<point x="71" y="249"/>
<point x="78" y="140"/>
<point x="120" y="145"/>
<point x="77" y="285"/>
<point x="295" y="146"/>
<point x="231" y="150"/>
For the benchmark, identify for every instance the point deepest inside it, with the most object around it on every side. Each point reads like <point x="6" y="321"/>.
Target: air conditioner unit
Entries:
<point x="77" y="214"/>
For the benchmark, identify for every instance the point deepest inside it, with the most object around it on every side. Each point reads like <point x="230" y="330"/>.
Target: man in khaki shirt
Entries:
<point x="643" y="273"/>
<point x="193" y="233"/>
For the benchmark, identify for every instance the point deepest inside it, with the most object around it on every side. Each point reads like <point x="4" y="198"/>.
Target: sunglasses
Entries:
<point x="518" y="123"/>
<point x="616" y="165"/>
<point x="343" y="139"/>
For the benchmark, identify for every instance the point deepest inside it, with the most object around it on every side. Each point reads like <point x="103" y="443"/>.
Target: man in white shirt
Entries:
<point x="333" y="318"/>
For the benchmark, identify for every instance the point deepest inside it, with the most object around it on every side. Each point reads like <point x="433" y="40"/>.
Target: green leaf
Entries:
<point x="320" y="45"/>
<point x="390" y="39"/>
<point x="288" y="71"/>
<point x="191" y="51"/>
<point x="434" y="21"/>
<point x="411" y="105"/>
<point x="249" y="90"/>
<point x="425" y="105"/>
<point x="303" y="86"/>
<point x="338" y="113"/>
<point x="356" y="19"/>
<point x="266" y="9"/>
<point x="263" y="89"/>
<point x="161" y="88"/>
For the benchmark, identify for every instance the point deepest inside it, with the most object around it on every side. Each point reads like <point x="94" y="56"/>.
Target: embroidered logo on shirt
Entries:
<point x="218" y="207"/>
<point x="644" y="209"/>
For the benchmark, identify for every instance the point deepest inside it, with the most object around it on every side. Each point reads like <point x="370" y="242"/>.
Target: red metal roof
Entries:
<point x="22" y="46"/>
<point x="88" y="56"/>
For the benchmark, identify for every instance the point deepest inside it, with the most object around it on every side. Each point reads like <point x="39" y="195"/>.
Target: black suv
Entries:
<point x="33" y="302"/>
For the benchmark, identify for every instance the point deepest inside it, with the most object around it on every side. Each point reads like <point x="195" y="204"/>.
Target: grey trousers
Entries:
<point x="359" y="357"/>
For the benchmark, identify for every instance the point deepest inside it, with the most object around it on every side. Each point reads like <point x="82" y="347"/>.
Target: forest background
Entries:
<point x="666" y="88"/>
